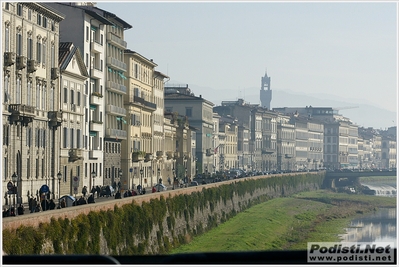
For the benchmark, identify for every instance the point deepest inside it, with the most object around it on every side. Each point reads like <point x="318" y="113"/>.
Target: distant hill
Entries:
<point x="364" y="114"/>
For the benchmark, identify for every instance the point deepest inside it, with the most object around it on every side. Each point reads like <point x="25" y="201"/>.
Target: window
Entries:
<point x="72" y="97"/>
<point x="65" y="143"/>
<point x="19" y="44"/>
<point x="52" y="56"/>
<point x="38" y="51"/>
<point x="29" y="14"/>
<point x="18" y="92"/>
<point x="29" y="93"/>
<point x="44" y="95"/>
<point x="78" y="100"/>
<point x="44" y="53"/>
<point x="30" y="48"/>
<point x="52" y="98"/>
<point x="19" y="9"/>
<point x="7" y="39"/>
<point x="72" y="138"/>
<point x="189" y="112"/>
<point x="78" y="139"/>
<point x="38" y="96"/>
<point x="44" y="22"/>
<point x="65" y="95"/>
<point x="87" y="35"/>
<point x="39" y="19"/>
<point x="6" y="85"/>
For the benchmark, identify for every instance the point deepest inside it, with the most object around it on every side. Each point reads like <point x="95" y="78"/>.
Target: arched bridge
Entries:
<point x="350" y="178"/>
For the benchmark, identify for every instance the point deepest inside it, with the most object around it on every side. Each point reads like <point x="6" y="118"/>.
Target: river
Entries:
<point x="379" y="226"/>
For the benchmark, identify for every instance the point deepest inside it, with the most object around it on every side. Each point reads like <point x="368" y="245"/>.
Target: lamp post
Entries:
<point x="59" y="176"/>
<point x="174" y="178"/>
<point x="159" y="178"/>
<point x="120" y="177"/>
<point x="93" y="176"/>
<point x="15" y="191"/>
<point x="141" y="183"/>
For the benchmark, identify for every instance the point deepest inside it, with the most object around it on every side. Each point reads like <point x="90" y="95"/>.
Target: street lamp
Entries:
<point x="14" y="178"/>
<point x="59" y="176"/>
<point x="93" y="176"/>
<point x="159" y="178"/>
<point x="120" y="177"/>
<point x="174" y="178"/>
<point x="141" y="183"/>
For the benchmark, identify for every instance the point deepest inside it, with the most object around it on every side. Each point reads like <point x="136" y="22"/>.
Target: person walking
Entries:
<point x="169" y="181"/>
<point x="84" y="191"/>
<point x="20" y="209"/>
<point x="63" y="203"/>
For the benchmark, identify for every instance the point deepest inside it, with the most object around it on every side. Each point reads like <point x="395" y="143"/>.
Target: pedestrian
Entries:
<point x="84" y="191"/>
<point x="98" y="190"/>
<point x="154" y="189"/>
<point x="63" y="203"/>
<point x="143" y="191"/>
<point x="118" y="195"/>
<point x="45" y="204"/>
<point x="51" y="204"/>
<point x="37" y="209"/>
<point x="91" y="199"/>
<point x="20" y="209"/>
<point x="139" y="189"/>
<point x="169" y="181"/>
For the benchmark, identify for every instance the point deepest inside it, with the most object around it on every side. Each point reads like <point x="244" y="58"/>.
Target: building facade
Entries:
<point x="31" y="104"/>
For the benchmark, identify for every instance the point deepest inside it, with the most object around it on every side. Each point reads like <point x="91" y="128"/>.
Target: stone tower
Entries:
<point x="265" y="92"/>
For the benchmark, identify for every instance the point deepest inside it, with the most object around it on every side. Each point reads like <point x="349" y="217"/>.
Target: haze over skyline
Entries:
<point x="346" y="49"/>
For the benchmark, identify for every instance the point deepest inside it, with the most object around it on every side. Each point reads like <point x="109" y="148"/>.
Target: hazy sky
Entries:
<point x="339" y="48"/>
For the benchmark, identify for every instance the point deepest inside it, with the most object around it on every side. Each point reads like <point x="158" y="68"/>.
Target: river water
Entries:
<point x="379" y="226"/>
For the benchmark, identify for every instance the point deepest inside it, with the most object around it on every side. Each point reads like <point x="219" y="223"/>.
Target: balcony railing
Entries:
<point x="116" y="110"/>
<point x="116" y="133"/>
<point x="75" y="154"/>
<point x="118" y="88"/>
<point x="116" y="40"/>
<point x="116" y="63"/>
<point x="145" y="103"/>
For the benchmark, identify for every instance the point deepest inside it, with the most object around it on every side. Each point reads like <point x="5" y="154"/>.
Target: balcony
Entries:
<point x="159" y="154"/>
<point x="116" y="134"/>
<point x="97" y="73"/>
<point x="138" y="156"/>
<point x="95" y="154"/>
<point x="96" y="126"/>
<point x="115" y="110"/>
<point x="266" y="151"/>
<point x="169" y="154"/>
<point x="55" y="118"/>
<point x="176" y="155"/>
<point x="115" y="87"/>
<point x="144" y="103"/>
<point x="22" y="113"/>
<point x="96" y="46"/>
<point x="115" y="40"/>
<point x="75" y="154"/>
<point x="116" y="64"/>
<point x="96" y="99"/>
<point x="148" y="157"/>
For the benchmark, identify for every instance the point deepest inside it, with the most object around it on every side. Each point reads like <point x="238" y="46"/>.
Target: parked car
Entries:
<point x="194" y="183"/>
<point x="160" y="187"/>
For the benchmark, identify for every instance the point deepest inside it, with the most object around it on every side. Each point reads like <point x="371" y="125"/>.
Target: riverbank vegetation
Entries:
<point x="287" y="223"/>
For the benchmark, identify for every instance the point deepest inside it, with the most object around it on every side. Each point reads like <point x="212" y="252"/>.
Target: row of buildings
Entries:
<point x="82" y="109"/>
